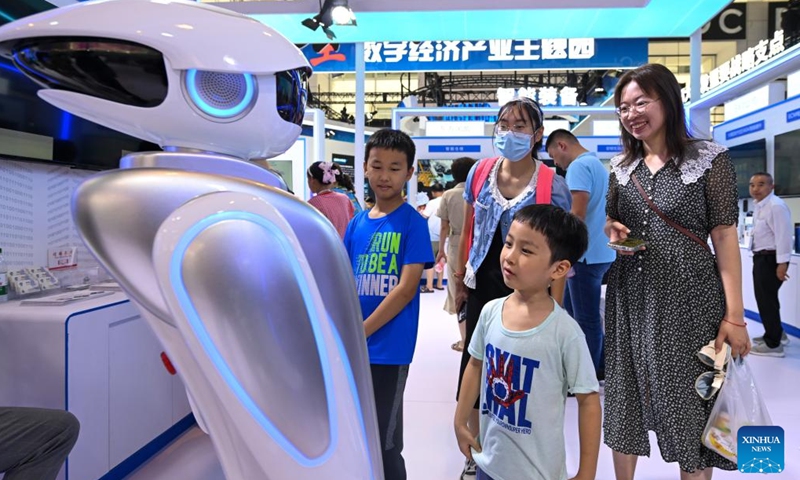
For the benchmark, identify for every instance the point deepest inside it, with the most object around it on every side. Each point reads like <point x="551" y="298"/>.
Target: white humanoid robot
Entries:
<point x="248" y="288"/>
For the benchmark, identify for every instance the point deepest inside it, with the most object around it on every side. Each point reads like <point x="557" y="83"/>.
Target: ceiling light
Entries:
<point x="343" y="15"/>
<point x="331" y="12"/>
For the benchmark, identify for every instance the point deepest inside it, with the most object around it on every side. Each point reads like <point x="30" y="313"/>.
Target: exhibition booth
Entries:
<point x="90" y="349"/>
<point x="768" y="140"/>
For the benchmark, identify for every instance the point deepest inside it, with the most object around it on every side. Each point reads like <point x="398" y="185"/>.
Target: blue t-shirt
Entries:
<point x="378" y="249"/>
<point x="587" y="174"/>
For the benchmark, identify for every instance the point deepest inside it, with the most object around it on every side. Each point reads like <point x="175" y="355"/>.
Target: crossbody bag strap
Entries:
<point x="661" y="214"/>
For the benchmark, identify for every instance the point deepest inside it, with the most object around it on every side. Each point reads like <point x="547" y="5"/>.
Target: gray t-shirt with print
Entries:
<point x="524" y="384"/>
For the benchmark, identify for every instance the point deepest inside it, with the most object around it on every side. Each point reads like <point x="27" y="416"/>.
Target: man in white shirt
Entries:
<point x="771" y="245"/>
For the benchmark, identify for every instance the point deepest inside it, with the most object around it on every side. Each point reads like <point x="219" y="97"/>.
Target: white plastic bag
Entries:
<point x="739" y="404"/>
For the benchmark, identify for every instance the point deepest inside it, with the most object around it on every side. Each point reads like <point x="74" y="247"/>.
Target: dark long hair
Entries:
<point x="658" y="82"/>
<point x="345" y="181"/>
<point x="532" y="110"/>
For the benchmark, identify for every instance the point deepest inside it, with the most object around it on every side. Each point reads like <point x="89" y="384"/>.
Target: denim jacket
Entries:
<point x="491" y="209"/>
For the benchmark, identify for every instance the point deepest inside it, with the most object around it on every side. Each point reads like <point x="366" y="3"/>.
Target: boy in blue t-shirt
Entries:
<point x="527" y="353"/>
<point x="389" y="246"/>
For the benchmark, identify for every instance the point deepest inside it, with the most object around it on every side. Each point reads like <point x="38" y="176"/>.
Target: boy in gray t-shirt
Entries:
<point x="527" y="353"/>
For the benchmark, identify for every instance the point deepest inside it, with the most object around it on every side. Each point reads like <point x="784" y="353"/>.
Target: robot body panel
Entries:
<point x="116" y="214"/>
<point x="272" y="354"/>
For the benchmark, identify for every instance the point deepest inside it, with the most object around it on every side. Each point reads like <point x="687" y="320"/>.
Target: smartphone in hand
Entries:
<point x="629" y="245"/>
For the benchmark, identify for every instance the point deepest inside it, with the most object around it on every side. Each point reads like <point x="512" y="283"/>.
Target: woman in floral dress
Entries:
<point x="665" y="302"/>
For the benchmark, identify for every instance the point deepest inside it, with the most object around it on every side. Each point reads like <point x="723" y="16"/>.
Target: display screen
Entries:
<point x="431" y="172"/>
<point x="57" y="136"/>
<point x="346" y="163"/>
<point x="787" y="164"/>
<point x="748" y="158"/>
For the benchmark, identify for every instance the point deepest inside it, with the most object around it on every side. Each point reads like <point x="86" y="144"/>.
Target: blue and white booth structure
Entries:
<point x="767" y="140"/>
<point x="450" y="148"/>
<point x="441" y="148"/>
<point x="213" y="255"/>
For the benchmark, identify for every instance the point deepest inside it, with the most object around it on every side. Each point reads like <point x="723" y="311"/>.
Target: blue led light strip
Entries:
<point x="176" y="279"/>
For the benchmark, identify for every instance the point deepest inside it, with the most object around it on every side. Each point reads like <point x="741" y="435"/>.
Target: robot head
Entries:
<point x="176" y="73"/>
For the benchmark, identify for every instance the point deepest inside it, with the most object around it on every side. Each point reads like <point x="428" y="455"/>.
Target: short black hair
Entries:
<point x="763" y="174"/>
<point x="566" y="234"/>
<point x="460" y="168"/>
<point x="390" y="139"/>
<point x="437" y="187"/>
<point x="560" y="134"/>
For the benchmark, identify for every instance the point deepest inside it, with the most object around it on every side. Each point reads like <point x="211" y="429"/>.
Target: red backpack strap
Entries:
<point x="482" y="172"/>
<point x="544" y="184"/>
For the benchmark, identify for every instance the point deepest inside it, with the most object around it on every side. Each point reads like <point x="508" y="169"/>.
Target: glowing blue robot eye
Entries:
<point x="220" y="96"/>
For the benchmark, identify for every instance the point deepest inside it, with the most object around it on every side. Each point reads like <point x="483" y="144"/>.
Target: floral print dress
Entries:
<point x="664" y="303"/>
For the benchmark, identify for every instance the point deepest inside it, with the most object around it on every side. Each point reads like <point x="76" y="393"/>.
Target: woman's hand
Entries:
<point x="617" y="232"/>
<point x="440" y="256"/>
<point x="733" y="332"/>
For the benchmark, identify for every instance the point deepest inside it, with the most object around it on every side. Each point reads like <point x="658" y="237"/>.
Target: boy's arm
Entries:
<point x="589" y="414"/>
<point x="397" y="299"/>
<point x="470" y="391"/>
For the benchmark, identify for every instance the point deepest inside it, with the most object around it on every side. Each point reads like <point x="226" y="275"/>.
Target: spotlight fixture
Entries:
<point x="599" y="89"/>
<point x="331" y="12"/>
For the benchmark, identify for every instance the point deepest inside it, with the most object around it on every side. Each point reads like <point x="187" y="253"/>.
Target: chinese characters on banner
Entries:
<point x="741" y="63"/>
<point x="481" y="55"/>
<point x="545" y="96"/>
<point x="497" y="50"/>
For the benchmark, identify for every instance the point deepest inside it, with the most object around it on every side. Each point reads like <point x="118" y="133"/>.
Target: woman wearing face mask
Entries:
<point x="510" y="185"/>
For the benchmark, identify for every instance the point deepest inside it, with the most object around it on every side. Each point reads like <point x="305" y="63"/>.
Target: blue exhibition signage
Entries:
<point x="746" y="130"/>
<point x="454" y="148"/>
<point x="793" y="115"/>
<point x="553" y="53"/>
<point x="609" y="148"/>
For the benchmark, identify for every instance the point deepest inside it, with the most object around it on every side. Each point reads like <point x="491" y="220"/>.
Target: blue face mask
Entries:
<point x="513" y="145"/>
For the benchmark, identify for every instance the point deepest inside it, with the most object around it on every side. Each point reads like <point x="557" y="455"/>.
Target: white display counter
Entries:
<point x="789" y="293"/>
<point x="98" y="359"/>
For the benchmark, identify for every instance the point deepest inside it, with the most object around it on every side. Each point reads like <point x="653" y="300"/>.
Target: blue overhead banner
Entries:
<point x="553" y="53"/>
<point x="746" y="130"/>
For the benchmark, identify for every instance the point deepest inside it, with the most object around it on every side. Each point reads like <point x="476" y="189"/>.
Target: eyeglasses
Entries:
<point x="502" y="129"/>
<point x="638" y="107"/>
